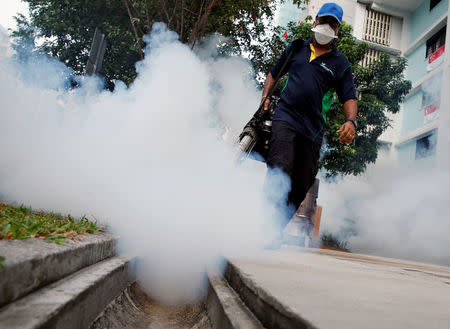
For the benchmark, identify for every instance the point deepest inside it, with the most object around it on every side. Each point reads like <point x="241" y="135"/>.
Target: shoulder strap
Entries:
<point x="296" y="45"/>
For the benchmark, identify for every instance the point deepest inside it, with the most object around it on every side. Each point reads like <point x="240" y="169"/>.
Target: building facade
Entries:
<point x="417" y="30"/>
<point x="422" y="136"/>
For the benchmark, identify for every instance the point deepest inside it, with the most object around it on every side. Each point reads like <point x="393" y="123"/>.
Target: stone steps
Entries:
<point x="289" y="288"/>
<point x="71" y="303"/>
<point x="226" y="309"/>
<point x="32" y="263"/>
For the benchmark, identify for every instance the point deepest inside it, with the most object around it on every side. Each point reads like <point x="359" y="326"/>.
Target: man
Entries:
<point x="316" y="71"/>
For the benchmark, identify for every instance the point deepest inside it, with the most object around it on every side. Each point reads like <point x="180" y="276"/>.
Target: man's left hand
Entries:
<point x="347" y="132"/>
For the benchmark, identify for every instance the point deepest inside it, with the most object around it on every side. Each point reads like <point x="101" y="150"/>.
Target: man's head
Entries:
<point x="326" y="25"/>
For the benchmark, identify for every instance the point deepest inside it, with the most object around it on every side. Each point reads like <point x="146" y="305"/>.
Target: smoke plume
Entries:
<point x="392" y="211"/>
<point x="152" y="163"/>
<point x="148" y="160"/>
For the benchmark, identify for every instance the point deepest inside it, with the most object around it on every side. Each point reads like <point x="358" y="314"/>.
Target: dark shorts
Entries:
<point x="297" y="157"/>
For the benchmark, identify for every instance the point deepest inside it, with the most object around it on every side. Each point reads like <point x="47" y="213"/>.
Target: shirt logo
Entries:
<point x="324" y="66"/>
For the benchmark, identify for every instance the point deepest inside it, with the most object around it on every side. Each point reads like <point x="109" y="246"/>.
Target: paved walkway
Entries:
<point x="333" y="290"/>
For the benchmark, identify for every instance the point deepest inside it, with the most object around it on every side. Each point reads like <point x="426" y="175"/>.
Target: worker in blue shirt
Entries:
<point x="316" y="71"/>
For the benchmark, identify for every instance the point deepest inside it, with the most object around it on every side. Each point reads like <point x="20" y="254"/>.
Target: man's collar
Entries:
<point x="333" y="47"/>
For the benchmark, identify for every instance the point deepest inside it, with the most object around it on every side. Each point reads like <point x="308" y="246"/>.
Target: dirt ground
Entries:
<point x="134" y="310"/>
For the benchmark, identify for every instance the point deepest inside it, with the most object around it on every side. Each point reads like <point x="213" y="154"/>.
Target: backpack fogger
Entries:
<point x="255" y="137"/>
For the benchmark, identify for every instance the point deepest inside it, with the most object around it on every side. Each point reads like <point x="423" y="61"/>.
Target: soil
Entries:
<point x="134" y="310"/>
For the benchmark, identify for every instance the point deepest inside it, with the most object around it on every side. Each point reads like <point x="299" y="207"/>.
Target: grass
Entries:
<point x="18" y="223"/>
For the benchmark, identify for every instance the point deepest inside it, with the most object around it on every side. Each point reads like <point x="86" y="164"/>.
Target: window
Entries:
<point x="433" y="3"/>
<point x="371" y="56"/>
<point x="426" y="146"/>
<point x="377" y="27"/>
<point x="436" y="42"/>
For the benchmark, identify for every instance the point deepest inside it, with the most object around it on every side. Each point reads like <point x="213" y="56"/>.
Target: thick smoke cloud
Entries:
<point x="149" y="161"/>
<point x="392" y="211"/>
<point x="152" y="163"/>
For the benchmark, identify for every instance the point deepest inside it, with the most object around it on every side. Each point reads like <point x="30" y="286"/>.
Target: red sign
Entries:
<point x="285" y="35"/>
<point x="438" y="53"/>
<point x="431" y="112"/>
<point x="430" y="109"/>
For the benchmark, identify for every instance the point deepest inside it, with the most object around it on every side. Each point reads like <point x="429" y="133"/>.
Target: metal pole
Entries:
<point x="96" y="54"/>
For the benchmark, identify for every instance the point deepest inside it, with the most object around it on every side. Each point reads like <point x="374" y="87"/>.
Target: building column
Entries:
<point x="443" y="138"/>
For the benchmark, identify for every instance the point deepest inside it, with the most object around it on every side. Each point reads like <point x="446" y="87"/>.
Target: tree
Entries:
<point x="67" y="27"/>
<point x="381" y="88"/>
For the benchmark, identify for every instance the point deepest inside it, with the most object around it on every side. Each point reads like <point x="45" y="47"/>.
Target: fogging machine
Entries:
<point x="255" y="137"/>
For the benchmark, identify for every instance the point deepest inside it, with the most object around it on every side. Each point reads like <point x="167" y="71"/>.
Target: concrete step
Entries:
<point x="265" y="307"/>
<point x="303" y="288"/>
<point x="32" y="263"/>
<point x="225" y="308"/>
<point x="70" y="303"/>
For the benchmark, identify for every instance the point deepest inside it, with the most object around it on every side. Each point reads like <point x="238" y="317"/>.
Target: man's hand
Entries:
<point x="347" y="132"/>
<point x="267" y="86"/>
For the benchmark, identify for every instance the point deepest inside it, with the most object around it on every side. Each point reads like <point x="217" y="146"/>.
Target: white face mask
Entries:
<point x="323" y="34"/>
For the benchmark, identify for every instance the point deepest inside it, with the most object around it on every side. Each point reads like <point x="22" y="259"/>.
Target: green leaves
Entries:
<point x="66" y="28"/>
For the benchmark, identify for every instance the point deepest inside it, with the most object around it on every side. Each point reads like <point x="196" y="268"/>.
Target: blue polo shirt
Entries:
<point x="309" y="92"/>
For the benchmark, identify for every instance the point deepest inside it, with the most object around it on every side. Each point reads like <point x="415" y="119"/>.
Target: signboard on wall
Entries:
<point x="431" y="112"/>
<point x="431" y="98"/>
<point x="436" y="58"/>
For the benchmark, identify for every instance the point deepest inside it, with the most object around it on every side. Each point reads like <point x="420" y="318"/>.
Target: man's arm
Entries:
<point x="348" y="129"/>
<point x="267" y="86"/>
<point x="275" y="72"/>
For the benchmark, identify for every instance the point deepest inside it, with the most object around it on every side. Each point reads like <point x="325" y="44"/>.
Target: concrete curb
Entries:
<point x="265" y="307"/>
<point x="71" y="303"/>
<point x="32" y="263"/>
<point x="225" y="308"/>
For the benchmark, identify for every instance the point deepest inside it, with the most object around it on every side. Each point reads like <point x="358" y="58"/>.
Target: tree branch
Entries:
<point x="201" y="23"/>
<point x="147" y="13"/>
<point x="141" y="54"/>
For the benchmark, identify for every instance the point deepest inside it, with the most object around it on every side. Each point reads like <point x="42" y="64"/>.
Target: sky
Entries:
<point x="8" y="9"/>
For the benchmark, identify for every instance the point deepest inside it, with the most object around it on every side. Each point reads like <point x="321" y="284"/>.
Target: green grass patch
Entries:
<point x="18" y="223"/>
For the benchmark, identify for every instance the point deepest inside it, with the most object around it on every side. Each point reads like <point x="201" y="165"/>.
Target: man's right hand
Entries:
<point x="267" y="86"/>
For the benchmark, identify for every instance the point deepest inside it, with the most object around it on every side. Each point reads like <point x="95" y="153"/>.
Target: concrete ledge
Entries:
<point x="32" y="263"/>
<point x="225" y="308"/>
<point x="266" y="308"/>
<point x="71" y="303"/>
<point x="303" y="288"/>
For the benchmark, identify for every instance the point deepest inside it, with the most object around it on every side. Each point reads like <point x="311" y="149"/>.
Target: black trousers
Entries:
<point x="297" y="157"/>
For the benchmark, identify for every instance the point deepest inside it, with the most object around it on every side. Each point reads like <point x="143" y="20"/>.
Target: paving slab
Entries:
<point x="301" y="288"/>
<point x="33" y="263"/>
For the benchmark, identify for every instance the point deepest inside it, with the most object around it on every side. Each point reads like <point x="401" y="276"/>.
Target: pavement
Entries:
<point x="305" y="288"/>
